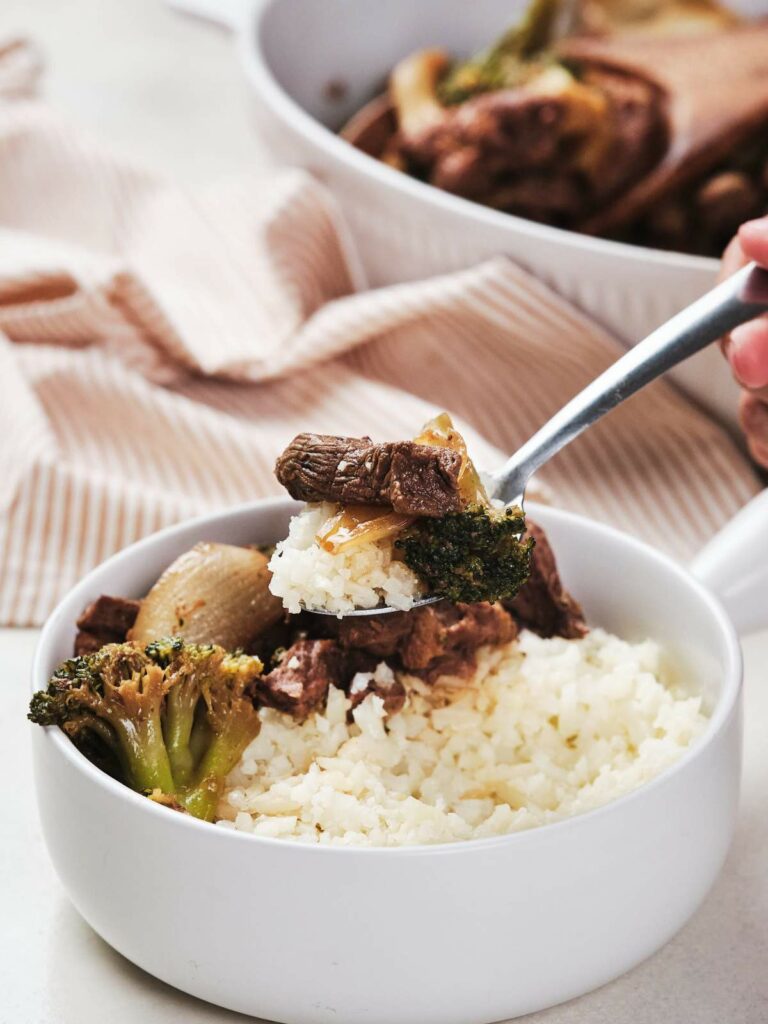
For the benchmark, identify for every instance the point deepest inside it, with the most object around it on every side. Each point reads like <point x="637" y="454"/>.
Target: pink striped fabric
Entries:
<point x="159" y="346"/>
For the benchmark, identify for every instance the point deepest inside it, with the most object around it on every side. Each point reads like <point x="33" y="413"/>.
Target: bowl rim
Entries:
<point x="719" y="718"/>
<point x="253" y="56"/>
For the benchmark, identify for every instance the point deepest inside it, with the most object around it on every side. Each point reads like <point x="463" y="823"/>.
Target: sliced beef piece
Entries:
<point x="543" y="605"/>
<point x="299" y="684"/>
<point x="543" y="155"/>
<point x="639" y="132"/>
<point x="384" y="685"/>
<point x="505" y="149"/>
<point x="377" y="635"/>
<point x="88" y="643"/>
<point x="476" y="625"/>
<point x="427" y="638"/>
<point x="105" y="621"/>
<point x="414" y="479"/>
<point x="429" y="641"/>
<point x="109" y="615"/>
<point x="445" y="641"/>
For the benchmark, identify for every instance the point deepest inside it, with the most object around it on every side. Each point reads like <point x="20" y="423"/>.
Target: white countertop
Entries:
<point x="168" y="92"/>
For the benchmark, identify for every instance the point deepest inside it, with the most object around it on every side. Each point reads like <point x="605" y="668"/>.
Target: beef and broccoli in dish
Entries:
<point x="645" y="122"/>
<point x="218" y="694"/>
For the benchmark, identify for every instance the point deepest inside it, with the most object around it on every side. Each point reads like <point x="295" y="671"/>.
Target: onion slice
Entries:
<point x="212" y="594"/>
<point x="441" y="433"/>
<point x="413" y="89"/>
<point x="360" y="524"/>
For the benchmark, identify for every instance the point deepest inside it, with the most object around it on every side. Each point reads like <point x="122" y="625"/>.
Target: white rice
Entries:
<point x="546" y="729"/>
<point x="305" y="575"/>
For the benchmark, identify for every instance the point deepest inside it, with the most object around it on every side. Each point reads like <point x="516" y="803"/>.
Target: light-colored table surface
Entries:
<point x="168" y="92"/>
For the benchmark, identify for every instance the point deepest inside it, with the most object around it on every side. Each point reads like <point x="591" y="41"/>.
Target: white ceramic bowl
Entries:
<point x="404" y="229"/>
<point x="454" y="934"/>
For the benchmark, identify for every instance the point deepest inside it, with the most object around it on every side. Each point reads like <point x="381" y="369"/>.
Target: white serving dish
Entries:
<point x="466" y="933"/>
<point x="404" y="229"/>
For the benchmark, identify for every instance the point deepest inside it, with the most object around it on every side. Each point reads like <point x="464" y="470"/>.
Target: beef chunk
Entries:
<point x="105" y="621"/>
<point x="431" y="641"/>
<point x="503" y="149"/>
<point x="639" y="130"/>
<point x="464" y="627"/>
<point x="427" y="639"/>
<point x="383" y="683"/>
<point x="299" y="685"/>
<point x="112" y="616"/>
<point x="89" y="643"/>
<point x="445" y="642"/>
<point x="541" y="155"/>
<point x="543" y="605"/>
<point x="414" y="479"/>
<point x="378" y="635"/>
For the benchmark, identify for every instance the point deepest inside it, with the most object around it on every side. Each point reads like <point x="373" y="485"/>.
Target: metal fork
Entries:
<point x="738" y="299"/>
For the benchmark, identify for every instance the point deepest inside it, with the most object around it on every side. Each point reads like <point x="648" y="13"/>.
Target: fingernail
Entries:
<point x="748" y="354"/>
<point x="757" y="228"/>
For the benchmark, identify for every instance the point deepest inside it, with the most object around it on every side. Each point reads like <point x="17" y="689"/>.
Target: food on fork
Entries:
<point x="638" y="125"/>
<point x="413" y="479"/>
<point x="391" y="523"/>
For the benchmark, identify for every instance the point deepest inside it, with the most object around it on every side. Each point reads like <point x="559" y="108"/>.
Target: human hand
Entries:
<point x="746" y="348"/>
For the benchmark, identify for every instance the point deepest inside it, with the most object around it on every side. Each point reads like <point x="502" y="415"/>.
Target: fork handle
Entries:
<point x="738" y="299"/>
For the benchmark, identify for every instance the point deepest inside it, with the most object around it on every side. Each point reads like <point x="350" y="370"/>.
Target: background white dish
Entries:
<point x="405" y="229"/>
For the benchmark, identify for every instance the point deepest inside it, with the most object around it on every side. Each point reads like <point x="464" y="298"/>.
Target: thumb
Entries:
<point x="753" y="240"/>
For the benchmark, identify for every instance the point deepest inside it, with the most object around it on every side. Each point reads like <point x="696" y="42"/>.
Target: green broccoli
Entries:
<point x="514" y="59"/>
<point x="228" y="724"/>
<point x="170" y="720"/>
<point x="474" y="555"/>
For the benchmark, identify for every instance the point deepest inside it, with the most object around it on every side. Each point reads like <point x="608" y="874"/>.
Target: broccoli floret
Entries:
<point x="474" y="555"/>
<point x="230" y="722"/>
<point x="170" y="720"/>
<point x="187" y="664"/>
<point x="116" y="695"/>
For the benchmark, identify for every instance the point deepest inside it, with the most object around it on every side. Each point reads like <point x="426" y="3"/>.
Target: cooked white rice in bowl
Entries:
<point x="545" y="729"/>
<point x="306" y="575"/>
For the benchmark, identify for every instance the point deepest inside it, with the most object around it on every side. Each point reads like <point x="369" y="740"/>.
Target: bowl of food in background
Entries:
<point x="622" y="207"/>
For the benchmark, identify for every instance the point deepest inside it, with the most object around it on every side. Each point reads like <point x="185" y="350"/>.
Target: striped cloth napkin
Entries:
<point x="159" y="346"/>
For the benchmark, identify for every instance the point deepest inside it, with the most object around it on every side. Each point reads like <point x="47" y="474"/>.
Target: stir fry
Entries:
<point x="626" y="119"/>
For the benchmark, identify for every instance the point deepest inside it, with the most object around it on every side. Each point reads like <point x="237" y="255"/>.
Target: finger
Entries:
<point x="753" y="415"/>
<point x="747" y="352"/>
<point x="733" y="259"/>
<point x="753" y="239"/>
